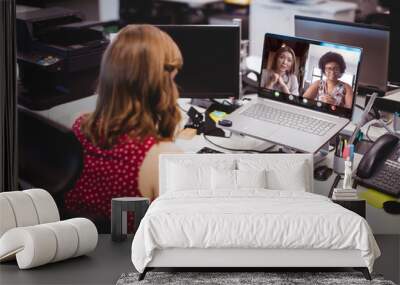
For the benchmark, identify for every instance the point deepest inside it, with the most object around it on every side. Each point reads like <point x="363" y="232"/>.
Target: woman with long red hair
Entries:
<point x="135" y="119"/>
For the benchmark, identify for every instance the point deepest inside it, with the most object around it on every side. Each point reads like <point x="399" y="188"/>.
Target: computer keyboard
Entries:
<point x="388" y="179"/>
<point x="288" y="119"/>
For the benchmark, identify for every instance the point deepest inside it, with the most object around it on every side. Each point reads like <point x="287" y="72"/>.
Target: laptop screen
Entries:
<point x="321" y="76"/>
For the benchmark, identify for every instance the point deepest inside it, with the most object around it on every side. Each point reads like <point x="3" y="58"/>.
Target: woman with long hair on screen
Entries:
<point x="135" y="119"/>
<point x="281" y="76"/>
<point x="331" y="90"/>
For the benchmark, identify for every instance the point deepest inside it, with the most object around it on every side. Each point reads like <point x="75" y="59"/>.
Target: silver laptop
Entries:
<point x="306" y="93"/>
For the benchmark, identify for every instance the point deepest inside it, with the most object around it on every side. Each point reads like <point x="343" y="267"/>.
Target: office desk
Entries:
<point x="67" y="113"/>
<point x="380" y="221"/>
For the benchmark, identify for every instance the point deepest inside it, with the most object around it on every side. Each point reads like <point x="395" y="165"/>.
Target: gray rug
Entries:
<point x="243" y="278"/>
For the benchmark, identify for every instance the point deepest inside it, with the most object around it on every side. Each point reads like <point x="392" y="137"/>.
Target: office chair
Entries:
<point x="49" y="155"/>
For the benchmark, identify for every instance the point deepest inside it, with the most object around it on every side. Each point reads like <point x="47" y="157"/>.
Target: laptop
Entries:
<point x="306" y="93"/>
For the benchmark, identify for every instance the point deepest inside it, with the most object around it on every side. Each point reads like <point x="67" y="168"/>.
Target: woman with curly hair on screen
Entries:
<point x="331" y="90"/>
<point x="135" y="119"/>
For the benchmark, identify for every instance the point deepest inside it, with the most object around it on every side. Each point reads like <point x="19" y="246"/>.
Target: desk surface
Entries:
<point x="102" y="266"/>
<point x="380" y="221"/>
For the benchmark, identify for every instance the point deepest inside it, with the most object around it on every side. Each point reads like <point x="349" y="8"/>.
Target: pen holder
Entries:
<point x="338" y="164"/>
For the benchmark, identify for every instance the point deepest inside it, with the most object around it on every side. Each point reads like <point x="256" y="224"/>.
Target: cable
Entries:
<point x="364" y="117"/>
<point x="224" y="102"/>
<point x="366" y="133"/>
<point x="379" y="124"/>
<point x="359" y="107"/>
<point x="233" y="149"/>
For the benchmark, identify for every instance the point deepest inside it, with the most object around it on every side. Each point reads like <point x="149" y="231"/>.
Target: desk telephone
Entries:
<point x="380" y="167"/>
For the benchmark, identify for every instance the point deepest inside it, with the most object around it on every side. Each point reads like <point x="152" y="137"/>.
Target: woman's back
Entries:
<point x="107" y="173"/>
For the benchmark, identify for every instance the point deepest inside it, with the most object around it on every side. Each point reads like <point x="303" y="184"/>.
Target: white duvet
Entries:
<point x="250" y="219"/>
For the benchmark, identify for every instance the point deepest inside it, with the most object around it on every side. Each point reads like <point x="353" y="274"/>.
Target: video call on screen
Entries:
<point x="320" y="76"/>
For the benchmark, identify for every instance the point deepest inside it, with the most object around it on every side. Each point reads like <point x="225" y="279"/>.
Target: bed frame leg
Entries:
<point x="143" y="274"/>
<point x="364" y="271"/>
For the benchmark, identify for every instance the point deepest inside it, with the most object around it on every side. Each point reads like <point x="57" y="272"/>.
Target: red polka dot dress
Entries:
<point x="106" y="174"/>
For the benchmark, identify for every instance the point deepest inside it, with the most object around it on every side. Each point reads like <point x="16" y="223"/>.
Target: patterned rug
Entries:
<point x="243" y="278"/>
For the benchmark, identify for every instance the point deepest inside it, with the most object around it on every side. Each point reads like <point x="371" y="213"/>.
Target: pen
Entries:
<point x="346" y="153"/>
<point x="339" y="153"/>
<point x="359" y="137"/>
<point x="337" y="145"/>
<point x="351" y="152"/>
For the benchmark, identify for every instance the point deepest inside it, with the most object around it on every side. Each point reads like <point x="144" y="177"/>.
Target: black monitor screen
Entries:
<point x="374" y="40"/>
<point x="211" y="57"/>
<point x="394" y="57"/>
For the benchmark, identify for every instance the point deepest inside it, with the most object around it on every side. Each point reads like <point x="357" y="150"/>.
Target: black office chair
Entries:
<point x="49" y="155"/>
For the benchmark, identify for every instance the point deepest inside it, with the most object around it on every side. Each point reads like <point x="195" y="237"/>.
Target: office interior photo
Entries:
<point x="200" y="142"/>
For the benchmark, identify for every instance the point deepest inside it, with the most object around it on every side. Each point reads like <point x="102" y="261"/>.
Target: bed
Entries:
<point x="245" y="210"/>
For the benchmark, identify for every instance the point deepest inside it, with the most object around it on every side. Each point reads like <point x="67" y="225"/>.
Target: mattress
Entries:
<point x="251" y="219"/>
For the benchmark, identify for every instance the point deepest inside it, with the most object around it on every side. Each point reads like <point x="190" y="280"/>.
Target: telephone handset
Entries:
<point x="380" y="166"/>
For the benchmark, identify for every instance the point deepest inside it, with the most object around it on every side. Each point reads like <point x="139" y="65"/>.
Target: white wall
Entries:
<point x="108" y="10"/>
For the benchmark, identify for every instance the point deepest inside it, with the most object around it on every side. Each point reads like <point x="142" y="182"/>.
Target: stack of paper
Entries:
<point x="344" y="194"/>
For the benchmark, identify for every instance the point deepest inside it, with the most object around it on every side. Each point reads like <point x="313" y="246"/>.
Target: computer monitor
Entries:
<point x="394" y="57"/>
<point x="375" y="41"/>
<point x="313" y="74"/>
<point x="211" y="59"/>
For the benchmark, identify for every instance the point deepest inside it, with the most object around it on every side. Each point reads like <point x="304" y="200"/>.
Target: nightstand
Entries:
<point x="357" y="206"/>
<point x="119" y="208"/>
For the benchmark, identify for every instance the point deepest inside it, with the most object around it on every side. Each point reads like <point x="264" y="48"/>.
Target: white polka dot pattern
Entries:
<point x="107" y="173"/>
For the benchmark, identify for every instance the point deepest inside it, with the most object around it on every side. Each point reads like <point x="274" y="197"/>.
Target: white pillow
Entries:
<point x="291" y="179"/>
<point x="226" y="179"/>
<point x="194" y="174"/>
<point x="251" y="178"/>
<point x="223" y="179"/>
<point x="282" y="174"/>
<point x="183" y="177"/>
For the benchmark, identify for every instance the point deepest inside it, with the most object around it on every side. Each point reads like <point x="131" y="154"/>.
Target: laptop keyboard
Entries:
<point x="288" y="119"/>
